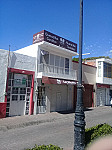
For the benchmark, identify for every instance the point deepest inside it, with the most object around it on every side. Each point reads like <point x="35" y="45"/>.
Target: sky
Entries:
<point x="20" y="19"/>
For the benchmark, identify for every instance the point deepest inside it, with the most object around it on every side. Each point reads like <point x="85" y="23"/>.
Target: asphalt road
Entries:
<point x="58" y="132"/>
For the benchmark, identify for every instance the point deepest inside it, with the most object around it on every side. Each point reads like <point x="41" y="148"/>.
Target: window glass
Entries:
<point x="66" y="63"/>
<point x="14" y="97"/>
<point x="66" y="66"/>
<point x="57" y="61"/>
<point x="107" y="70"/>
<point x="22" y="90"/>
<point x="15" y="90"/>
<point x="51" y="59"/>
<point x="62" y="62"/>
<point x="22" y="97"/>
<point x="44" y="57"/>
<point x="99" y="69"/>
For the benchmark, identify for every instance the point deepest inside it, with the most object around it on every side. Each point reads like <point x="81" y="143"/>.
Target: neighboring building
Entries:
<point x="103" y="80"/>
<point x="16" y="83"/>
<point x="89" y="83"/>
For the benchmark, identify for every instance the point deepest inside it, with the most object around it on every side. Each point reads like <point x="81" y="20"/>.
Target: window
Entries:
<point x="62" y="62"/>
<point x="53" y="63"/>
<point x="22" y="90"/>
<point x="15" y="90"/>
<point x="44" y="57"/>
<point x="57" y="60"/>
<point x="52" y="59"/>
<point x="99" y="69"/>
<point x="22" y="97"/>
<point x="107" y="70"/>
<point x="14" y="97"/>
<point x="66" y="66"/>
<point x="62" y="65"/>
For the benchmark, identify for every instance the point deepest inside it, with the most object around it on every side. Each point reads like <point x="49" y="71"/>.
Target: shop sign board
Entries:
<point x="49" y="80"/>
<point x="54" y="39"/>
<point x="20" y="80"/>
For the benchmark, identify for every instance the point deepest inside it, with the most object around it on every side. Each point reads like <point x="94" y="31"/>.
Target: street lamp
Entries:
<point x="79" y="123"/>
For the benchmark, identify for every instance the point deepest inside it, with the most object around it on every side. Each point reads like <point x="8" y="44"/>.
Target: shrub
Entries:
<point x="46" y="147"/>
<point x="97" y="131"/>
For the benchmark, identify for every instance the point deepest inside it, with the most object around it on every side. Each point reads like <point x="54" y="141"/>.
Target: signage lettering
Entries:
<point x="54" y="39"/>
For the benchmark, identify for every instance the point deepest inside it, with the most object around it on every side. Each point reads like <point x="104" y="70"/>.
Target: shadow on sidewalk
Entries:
<point x="73" y="111"/>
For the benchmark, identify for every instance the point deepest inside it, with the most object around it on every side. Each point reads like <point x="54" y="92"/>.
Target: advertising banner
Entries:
<point x="54" y="39"/>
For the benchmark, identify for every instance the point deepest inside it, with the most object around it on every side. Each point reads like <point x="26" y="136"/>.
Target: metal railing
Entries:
<point x="54" y="71"/>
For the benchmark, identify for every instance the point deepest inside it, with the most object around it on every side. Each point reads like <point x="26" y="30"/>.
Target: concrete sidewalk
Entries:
<point x="27" y="120"/>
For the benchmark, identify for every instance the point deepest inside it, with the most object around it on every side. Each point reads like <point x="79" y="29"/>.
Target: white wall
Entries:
<point x="29" y="50"/>
<point x="88" y="73"/>
<point x="3" y="73"/>
<point x="22" y="62"/>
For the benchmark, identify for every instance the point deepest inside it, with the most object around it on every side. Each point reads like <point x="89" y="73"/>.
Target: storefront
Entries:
<point x="87" y="95"/>
<point x="103" y="94"/>
<point x="55" y="95"/>
<point x="19" y="98"/>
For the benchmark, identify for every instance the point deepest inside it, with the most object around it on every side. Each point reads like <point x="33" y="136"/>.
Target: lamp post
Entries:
<point x="79" y="123"/>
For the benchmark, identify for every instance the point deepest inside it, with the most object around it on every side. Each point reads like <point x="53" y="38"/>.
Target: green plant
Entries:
<point x="45" y="147"/>
<point x="97" y="131"/>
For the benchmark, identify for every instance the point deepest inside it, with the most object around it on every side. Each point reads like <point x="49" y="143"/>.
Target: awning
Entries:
<point x="48" y="80"/>
<point x="102" y="85"/>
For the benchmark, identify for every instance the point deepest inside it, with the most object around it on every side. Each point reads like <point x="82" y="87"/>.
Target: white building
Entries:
<point x="54" y="75"/>
<point x="103" y="80"/>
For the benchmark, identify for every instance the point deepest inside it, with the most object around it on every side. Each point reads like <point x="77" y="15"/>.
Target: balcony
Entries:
<point x="56" y="72"/>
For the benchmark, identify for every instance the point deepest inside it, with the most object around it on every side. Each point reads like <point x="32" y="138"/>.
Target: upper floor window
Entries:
<point x="44" y="57"/>
<point x="66" y="66"/>
<point x="99" y="69"/>
<point x="107" y="70"/>
<point x="54" y="61"/>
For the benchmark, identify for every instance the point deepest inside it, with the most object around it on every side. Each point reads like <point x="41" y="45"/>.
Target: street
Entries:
<point x="58" y="132"/>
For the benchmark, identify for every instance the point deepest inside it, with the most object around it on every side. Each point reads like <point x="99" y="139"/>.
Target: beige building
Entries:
<point x="89" y="83"/>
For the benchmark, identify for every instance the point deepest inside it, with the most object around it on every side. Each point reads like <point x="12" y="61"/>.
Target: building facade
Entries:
<point x="103" y="81"/>
<point x="54" y="74"/>
<point x="89" y="84"/>
<point x="16" y="84"/>
<point x="42" y="78"/>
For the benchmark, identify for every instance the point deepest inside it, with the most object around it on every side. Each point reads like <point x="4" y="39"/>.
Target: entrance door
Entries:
<point x="41" y="100"/>
<point x="18" y="101"/>
<point x="101" y="97"/>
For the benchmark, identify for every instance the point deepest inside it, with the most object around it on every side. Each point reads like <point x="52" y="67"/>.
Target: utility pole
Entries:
<point x="79" y="123"/>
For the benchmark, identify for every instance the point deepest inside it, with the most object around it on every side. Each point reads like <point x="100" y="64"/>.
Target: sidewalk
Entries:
<point x="27" y="120"/>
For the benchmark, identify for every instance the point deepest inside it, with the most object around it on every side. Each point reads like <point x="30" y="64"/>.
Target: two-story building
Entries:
<point x="103" y="80"/>
<point x="54" y="74"/>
